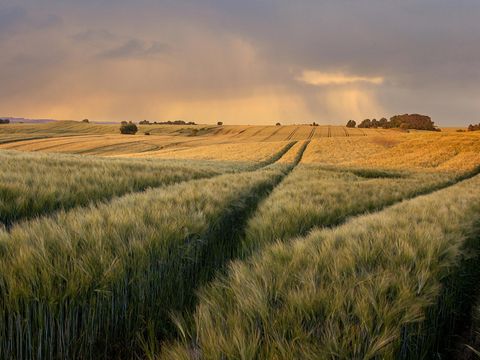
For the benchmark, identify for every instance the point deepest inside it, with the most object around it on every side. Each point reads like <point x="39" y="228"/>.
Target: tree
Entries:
<point x="351" y="123"/>
<point x="367" y="123"/>
<point x="474" y="127"/>
<point x="4" y="121"/>
<point x="278" y="124"/>
<point x="220" y="123"/>
<point x="413" y="121"/>
<point x="128" y="128"/>
<point x="85" y="121"/>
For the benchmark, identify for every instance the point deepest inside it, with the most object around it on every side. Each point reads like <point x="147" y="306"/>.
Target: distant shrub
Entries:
<point x="220" y="123"/>
<point x="278" y="124"/>
<point x="4" y="121"/>
<point x="314" y="124"/>
<point x="474" y="127"/>
<point x="351" y="123"/>
<point x="128" y="128"/>
<point x="85" y="121"/>
<point x="460" y="130"/>
<point x="147" y="133"/>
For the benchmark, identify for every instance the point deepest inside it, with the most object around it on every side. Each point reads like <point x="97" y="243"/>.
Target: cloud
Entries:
<point x="332" y="58"/>
<point x="135" y="48"/>
<point x="319" y="78"/>
<point x="93" y="35"/>
<point x="11" y="18"/>
<point x="17" y="19"/>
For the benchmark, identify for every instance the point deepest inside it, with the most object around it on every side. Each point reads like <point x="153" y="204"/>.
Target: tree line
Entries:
<point x="405" y="121"/>
<point x="4" y="121"/>
<point x="176" y="122"/>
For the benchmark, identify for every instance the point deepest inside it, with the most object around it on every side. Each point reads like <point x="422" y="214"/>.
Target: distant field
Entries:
<point x="237" y="242"/>
<point x="335" y="145"/>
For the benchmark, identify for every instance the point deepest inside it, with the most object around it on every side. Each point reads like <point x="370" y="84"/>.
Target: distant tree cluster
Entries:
<point x="314" y="124"/>
<point x="85" y="121"/>
<point x="128" y="128"/>
<point x="278" y="124"/>
<point x="405" y="121"/>
<point x="220" y="123"/>
<point x="351" y="123"/>
<point x="374" y="123"/>
<point x="4" y="121"/>
<point x="176" y="122"/>
<point x="412" y="121"/>
<point x="474" y="127"/>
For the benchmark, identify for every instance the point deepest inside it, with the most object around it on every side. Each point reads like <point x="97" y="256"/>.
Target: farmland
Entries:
<point x="238" y="242"/>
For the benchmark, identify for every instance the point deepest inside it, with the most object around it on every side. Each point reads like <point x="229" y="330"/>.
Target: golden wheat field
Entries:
<point x="238" y="242"/>
<point x="330" y="145"/>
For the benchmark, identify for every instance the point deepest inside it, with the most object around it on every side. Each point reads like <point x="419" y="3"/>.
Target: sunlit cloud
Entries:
<point x="319" y="78"/>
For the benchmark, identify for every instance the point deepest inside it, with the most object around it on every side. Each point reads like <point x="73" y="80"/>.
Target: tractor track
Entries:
<point x="272" y="134"/>
<point x="289" y="137"/>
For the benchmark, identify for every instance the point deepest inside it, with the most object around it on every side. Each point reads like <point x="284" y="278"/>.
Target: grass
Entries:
<point x="370" y="289"/>
<point x="88" y="282"/>
<point x="36" y="184"/>
<point x="104" y="257"/>
<point x="33" y="184"/>
<point x="320" y="196"/>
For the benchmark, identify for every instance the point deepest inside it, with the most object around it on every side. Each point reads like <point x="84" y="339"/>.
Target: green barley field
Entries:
<point x="238" y="243"/>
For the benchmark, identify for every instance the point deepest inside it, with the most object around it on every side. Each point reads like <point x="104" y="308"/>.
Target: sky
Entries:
<point x="240" y="62"/>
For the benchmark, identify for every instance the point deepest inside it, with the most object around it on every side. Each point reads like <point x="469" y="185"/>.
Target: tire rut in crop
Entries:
<point x="275" y="132"/>
<point x="226" y="236"/>
<point x="274" y="158"/>
<point x="258" y="131"/>
<point x="239" y="133"/>
<point x="289" y="137"/>
<point x="456" y="329"/>
<point x="10" y="141"/>
<point x="382" y="207"/>
<point x="222" y="243"/>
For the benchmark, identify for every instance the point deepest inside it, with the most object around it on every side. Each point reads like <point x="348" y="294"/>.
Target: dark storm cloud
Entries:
<point x="15" y="19"/>
<point x="375" y="56"/>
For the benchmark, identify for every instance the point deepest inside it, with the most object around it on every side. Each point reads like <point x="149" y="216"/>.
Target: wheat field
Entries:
<point x="238" y="242"/>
